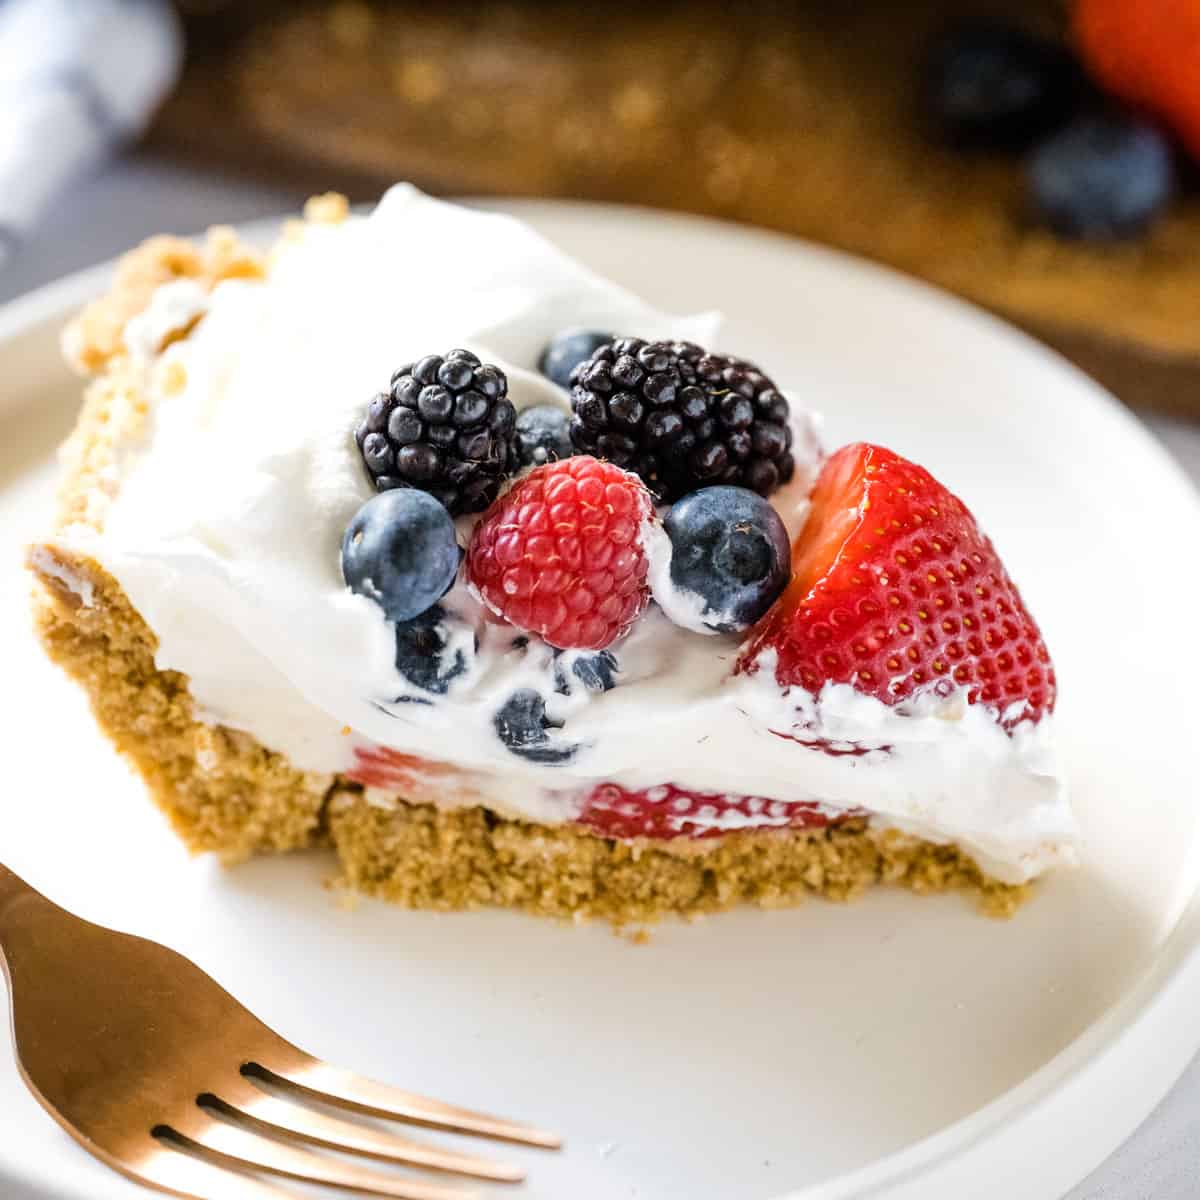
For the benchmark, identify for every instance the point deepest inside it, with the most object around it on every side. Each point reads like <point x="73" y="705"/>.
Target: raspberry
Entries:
<point x="681" y="418"/>
<point x="560" y="555"/>
<point x="446" y="427"/>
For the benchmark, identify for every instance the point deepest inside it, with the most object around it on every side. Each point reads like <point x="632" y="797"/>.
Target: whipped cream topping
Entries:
<point x="234" y="495"/>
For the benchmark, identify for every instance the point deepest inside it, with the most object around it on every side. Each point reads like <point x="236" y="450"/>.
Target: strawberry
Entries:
<point x="895" y="591"/>
<point x="668" y="811"/>
<point x="380" y="767"/>
<point x="1146" y="52"/>
<point x="561" y="554"/>
<point x="609" y="810"/>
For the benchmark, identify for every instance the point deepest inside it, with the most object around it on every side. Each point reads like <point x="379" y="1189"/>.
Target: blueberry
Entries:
<point x="522" y="726"/>
<point x="595" y="670"/>
<point x="991" y="85"/>
<point x="1101" y="178"/>
<point x="401" y="551"/>
<point x="543" y="435"/>
<point x="421" y="650"/>
<point x="566" y="350"/>
<point x="729" y="546"/>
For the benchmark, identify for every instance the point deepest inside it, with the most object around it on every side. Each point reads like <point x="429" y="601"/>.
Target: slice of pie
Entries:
<point x="418" y="539"/>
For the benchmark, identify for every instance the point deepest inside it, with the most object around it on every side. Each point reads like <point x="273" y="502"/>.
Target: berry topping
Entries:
<point x="543" y="435"/>
<point x="400" y="551"/>
<point x="730" y="548"/>
<point x="991" y="85"/>
<point x="668" y="811"/>
<point x="681" y="417"/>
<point x="895" y="591"/>
<point x="446" y="427"/>
<point x="434" y="649"/>
<point x="1102" y="177"/>
<point x="567" y="350"/>
<point x="523" y="726"/>
<point x="1145" y="52"/>
<point x="560" y="555"/>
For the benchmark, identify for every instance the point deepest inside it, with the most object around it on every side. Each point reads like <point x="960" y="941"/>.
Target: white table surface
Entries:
<point x="143" y="195"/>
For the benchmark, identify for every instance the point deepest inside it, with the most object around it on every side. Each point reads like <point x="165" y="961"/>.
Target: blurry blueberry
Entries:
<point x="422" y="646"/>
<point x="566" y="350"/>
<point x="522" y="725"/>
<point x="400" y="550"/>
<point x="730" y="547"/>
<point x="543" y="435"/>
<point x="595" y="670"/>
<point x="1101" y="178"/>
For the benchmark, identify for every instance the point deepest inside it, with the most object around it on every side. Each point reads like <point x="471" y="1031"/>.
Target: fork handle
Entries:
<point x="11" y="884"/>
<point x="12" y="888"/>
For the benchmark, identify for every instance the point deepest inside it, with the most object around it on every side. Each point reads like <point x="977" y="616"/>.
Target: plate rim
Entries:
<point x="1130" y="1031"/>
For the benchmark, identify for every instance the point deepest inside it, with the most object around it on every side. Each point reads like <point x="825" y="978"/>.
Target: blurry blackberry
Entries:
<point x="681" y="418"/>
<point x="989" y="84"/>
<point x="446" y="427"/>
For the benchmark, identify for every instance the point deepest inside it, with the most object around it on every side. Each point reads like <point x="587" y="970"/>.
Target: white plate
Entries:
<point x="900" y="1047"/>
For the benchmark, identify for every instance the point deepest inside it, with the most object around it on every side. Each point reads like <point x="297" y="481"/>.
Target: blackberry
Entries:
<point x="446" y="427"/>
<point x="681" y="418"/>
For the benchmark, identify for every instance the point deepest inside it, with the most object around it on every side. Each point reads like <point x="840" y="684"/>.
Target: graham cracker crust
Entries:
<point x="226" y="793"/>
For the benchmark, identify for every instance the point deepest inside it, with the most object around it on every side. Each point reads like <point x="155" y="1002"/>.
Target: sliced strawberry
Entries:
<point x="896" y="591"/>
<point x="609" y="810"/>
<point x="668" y="811"/>
<point x="417" y="779"/>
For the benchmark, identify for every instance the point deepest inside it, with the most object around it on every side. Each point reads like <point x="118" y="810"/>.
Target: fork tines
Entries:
<point x="271" y="1126"/>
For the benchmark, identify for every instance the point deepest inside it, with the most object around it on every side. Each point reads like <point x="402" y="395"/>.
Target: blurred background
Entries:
<point x="1035" y="156"/>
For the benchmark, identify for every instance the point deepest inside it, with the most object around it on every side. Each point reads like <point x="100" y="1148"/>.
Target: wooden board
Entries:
<point x="798" y="117"/>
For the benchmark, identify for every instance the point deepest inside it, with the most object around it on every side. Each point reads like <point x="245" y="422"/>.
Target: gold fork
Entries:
<point x="159" y="1072"/>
